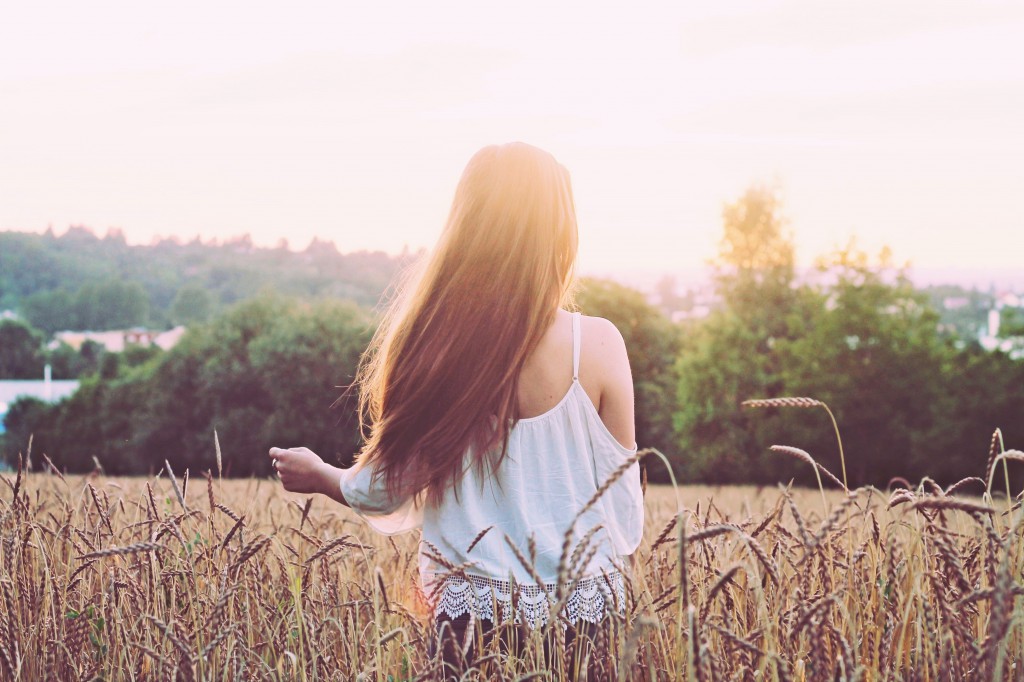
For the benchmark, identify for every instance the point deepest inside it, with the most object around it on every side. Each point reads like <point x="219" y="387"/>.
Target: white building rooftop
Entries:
<point x="49" y="391"/>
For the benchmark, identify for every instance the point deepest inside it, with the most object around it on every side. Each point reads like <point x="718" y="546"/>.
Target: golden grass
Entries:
<point x="134" y="579"/>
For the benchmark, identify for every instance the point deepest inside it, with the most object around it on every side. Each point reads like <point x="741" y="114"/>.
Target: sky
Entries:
<point x="900" y="123"/>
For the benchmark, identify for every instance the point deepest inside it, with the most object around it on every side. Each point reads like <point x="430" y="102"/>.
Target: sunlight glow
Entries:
<point x="900" y="124"/>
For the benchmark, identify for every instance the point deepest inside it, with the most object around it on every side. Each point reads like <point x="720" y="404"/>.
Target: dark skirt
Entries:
<point x="585" y="648"/>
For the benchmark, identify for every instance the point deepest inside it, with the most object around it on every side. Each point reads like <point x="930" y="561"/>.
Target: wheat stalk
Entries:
<point x="783" y="402"/>
<point x="993" y="450"/>
<point x="945" y="503"/>
<point x="134" y="548"/>
<point x="806" y="403"/>
<point x="806" y="457"/>
<point x="174" y="484"/>
<point x="933" y="596"/>
<point x="216" y="447"/>
<point x="1008" y="455"/>
<point x="478" y="538"/>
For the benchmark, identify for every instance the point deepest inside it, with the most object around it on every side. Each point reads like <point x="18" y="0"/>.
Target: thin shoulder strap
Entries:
<point x="575" y="346"/>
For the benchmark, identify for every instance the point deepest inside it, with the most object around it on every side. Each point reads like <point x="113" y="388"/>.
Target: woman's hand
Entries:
<point x="300" y="469"/>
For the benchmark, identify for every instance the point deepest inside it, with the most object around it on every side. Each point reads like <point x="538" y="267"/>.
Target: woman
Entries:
<point x="493" y="417"/>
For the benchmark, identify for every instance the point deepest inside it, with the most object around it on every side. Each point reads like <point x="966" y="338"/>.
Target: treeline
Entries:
<point x="910" y="402"/>
<point x="25" y="351"/>
<point x="79" y="281"/>
<point x="266" y="372"/>
<point x="272" y="370"/>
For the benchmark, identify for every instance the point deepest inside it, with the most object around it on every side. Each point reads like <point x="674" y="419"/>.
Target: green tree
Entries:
<point x="113" y="304"/>
<point x="307" y="367"/>
<point x="730" y="355"/>
<point x="1011" y="326"/>
<point x="872" y="352"/>
<point x="192" y="304"/>
<point x="34" y="265"/>
<point x="92" y="353"/>
<point x="26" y="418"/>
<point x="754" y="269"/>
<point x="980" y="391"/>
<point x="266" y="373"/>
<point x="21" y="351"/>
<point x="67" y="363"/>
<point x="51" y="311"/>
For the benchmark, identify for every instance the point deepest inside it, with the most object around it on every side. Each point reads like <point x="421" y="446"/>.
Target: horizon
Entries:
<point x="354" y="124"/>
<point x="644" y="279"/>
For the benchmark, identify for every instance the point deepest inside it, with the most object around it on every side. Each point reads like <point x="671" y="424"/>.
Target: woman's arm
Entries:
<point x="302" y="471"/>
<point x="608" y="353"/>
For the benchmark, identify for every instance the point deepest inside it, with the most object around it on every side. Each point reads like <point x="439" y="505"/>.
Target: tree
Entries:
<point x="980" y="391"/>
<point x="192" y="304"/>
<point x="26" y="418"/>
<point x="872" y="352"/>
<point x="863" y="340"/>
<point x="730" y="356"/>
<point x="51" y="311"/>
<point x="307" y="366"/>
<point x="265" y="373"/>
<point x="1011" y="327"/>
<point x="67" y="363"/>
<point x="36" y="265"/>
<point x="755" y="263"/>
<point x="21" y="355"/>
<point x="113" y="304"/>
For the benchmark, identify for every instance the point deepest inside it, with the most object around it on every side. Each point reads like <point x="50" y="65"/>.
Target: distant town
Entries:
<point x="50" y="390"/>
<point x="966" y="314"/>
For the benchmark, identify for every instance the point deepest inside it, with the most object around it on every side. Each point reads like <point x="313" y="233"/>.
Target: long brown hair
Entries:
<point x="441" y="375"/>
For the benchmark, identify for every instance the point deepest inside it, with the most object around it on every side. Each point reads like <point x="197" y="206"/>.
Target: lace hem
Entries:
<point x="529" y="603"/>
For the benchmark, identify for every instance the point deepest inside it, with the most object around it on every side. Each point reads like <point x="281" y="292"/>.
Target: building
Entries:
<point x="46" y="390"/>
<point x="117" y="340"/>
<point x="990" y="338"/>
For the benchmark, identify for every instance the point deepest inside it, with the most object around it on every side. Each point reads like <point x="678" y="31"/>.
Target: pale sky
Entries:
<point x="899" y="122"/>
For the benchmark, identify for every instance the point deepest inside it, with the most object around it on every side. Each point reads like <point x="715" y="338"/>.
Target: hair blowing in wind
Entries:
<point x="440" y="377"/>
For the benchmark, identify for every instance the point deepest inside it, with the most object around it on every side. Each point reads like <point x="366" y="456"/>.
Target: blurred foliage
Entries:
<point x="910" y="402"/>
<point x="963" y="312"/>
<point x="869" y="349"/>
<point x="21" y="353"/>
<point x="1011" y="325"/>
<point x="192" y="304"/>
<point x="79" y="281"/>
<point x="730" y="355"/>
<point x="912" y="397"/>
<point x="266" y="373"/>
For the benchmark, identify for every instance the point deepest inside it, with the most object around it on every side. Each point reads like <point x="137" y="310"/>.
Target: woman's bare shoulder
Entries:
<point x="604" y="366"/>
<point x="601" y="334"/>
<point x="603" y="352"/>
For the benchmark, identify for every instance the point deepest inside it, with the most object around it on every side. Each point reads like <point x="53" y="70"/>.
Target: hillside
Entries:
<point x="80" y="281"/>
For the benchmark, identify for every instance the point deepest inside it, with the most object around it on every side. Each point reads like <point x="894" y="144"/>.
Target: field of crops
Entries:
<point x="136" y="579"/>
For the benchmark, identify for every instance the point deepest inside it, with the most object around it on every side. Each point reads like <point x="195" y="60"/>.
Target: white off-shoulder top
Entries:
<point x="554" y="466"/>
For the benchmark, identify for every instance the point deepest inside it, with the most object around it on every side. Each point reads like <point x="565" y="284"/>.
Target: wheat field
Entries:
<point x="209" y="579"/>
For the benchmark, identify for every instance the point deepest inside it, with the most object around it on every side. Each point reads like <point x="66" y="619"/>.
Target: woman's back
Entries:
<point x="604" y="373"/>
<point x="528" y="510"/>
